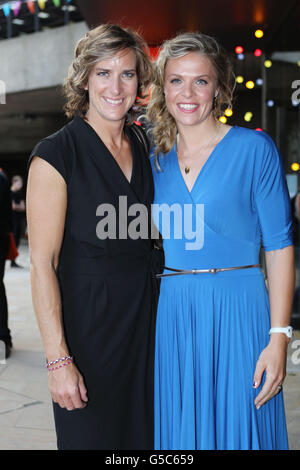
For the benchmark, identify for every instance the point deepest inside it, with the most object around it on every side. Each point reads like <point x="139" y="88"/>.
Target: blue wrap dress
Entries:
<point x="211" y="328"/>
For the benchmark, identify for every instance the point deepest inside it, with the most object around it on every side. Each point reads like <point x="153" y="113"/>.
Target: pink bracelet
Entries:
<point x="61" y="365"/>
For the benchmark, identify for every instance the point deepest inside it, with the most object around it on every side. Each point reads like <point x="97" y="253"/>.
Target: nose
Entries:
<point x="115" y="85"/>
<point x="187" y="90"/>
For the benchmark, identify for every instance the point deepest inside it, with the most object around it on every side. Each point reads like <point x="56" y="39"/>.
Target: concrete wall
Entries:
<point x="39" y="60"/>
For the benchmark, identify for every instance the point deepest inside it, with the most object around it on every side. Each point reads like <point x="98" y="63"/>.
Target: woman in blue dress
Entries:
<point x="220" y="195"/>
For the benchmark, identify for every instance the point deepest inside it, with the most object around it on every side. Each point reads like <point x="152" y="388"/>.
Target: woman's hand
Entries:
<point x="67" y="388"/>
<point x="272" y="361"/>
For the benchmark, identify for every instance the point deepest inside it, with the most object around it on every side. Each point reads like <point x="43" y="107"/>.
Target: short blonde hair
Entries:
<point x="98" y="44"/>
<point x="164" y="127"/>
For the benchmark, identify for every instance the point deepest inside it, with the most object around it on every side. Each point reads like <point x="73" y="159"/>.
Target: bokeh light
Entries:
<point x="250" y="84"/>
<point x="239" y="49"/>
<point x="295" y="166"/>
<point x="239" y="79"/>
<point x="259" y="33"/>
<point x="268" y="63"/>
<point x="248" y="116"/>
<point x="228" y="112"/>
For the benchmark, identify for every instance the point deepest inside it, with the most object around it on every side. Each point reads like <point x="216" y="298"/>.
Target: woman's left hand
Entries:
<point x="272" y="361"/>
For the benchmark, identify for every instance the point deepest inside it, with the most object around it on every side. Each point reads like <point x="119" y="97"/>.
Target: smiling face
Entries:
<point x="112" y="87"/>
<point x="190" y="87"/>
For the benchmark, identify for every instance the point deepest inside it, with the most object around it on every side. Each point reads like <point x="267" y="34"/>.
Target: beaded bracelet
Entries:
<point x="61" y="365"/>
<point x="60" y="359"/>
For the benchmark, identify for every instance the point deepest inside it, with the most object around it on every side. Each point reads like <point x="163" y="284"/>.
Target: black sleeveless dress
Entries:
<point x="109" y="293"/>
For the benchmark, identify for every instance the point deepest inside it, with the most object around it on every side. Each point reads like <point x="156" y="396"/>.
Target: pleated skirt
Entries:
<point x="210" y="331"/>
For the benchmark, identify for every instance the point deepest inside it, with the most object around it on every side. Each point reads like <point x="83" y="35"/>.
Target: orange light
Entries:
<point x="239" y="49"/>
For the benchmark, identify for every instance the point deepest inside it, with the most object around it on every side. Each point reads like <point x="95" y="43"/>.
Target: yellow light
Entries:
<point x="268" y="63"/>
<point x="295" y="166"/>
<point x="298" y="63"/>
<point x="239" y="79"/>
<point x="248" y="116"/>
<point x="228" y="112"/>
<point x="223" y="119"/>
<point x="259" y="33"/>
<point x="250" y="84"/>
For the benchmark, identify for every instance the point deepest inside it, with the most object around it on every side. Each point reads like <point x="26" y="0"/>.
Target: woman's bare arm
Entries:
<point x="46" y="211"/>
<point x="281" y="285"/>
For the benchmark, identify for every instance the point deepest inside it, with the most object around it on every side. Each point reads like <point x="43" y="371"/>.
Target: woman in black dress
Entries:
<point x="94" y="293"/>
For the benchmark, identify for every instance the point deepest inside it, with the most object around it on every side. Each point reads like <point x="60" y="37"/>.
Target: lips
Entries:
<point x="188" y="107"/>
<point x="113" y="102"/>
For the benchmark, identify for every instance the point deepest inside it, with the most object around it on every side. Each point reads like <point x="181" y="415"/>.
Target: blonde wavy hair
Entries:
<point x="164" y="129"/>
<point x="101" y="43"/>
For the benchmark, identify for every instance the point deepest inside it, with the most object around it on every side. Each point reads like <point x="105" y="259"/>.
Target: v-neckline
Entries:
<point x="111" y="155"/>
<point x="209" y="159"/>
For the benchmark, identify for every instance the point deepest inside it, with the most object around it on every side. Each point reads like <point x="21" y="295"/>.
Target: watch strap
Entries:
<point x="288" y="330"/>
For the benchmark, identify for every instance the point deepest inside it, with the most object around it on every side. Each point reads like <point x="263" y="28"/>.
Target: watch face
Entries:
<point x="289" y="331"/>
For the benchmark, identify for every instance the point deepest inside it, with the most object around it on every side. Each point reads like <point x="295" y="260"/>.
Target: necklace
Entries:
<point x="188" y="168"/>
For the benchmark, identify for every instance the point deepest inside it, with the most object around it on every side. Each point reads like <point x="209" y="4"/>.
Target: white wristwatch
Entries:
<point x="288" y="330"/>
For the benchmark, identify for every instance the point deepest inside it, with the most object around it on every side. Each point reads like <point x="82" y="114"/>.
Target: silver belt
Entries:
<point x="177" y="272"/>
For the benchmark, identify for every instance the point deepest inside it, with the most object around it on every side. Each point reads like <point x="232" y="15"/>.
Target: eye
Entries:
<point x="175" y="81"/>
<point x="102" y="73"/>
<point x="129" y="74"/>
<point x="201" y="81"/>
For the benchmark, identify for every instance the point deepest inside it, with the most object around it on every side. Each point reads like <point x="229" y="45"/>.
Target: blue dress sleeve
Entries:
<point x="49" y="150"/>
<point x="272" y="199"/>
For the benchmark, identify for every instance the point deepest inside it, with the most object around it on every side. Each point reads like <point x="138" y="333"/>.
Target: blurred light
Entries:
<point x="17" y="21"/>
<point x="154" y="52"/>
<point x="69" y="7"/>
<point x="239" y="49"/>
<point x="298" y="63"/>
<point x="43" y="15"/>
<point x="223" y="119"/>
<point x="295" y="166"/>
<point x="239" y="79"/>
<point x="250" y="84"/>
<point x="240" y="56"/>
<point x="228" y="112"/>
<point x="248" y="116"/>
<point x="259" y="33"/>
<point x="259" y="129"/>
<point x="257" y="52"/>
<point x="259" y="81"/>
<point x="270" y="103"/>
<point x="268" y="63"/>
<point x="295" y="102"/>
